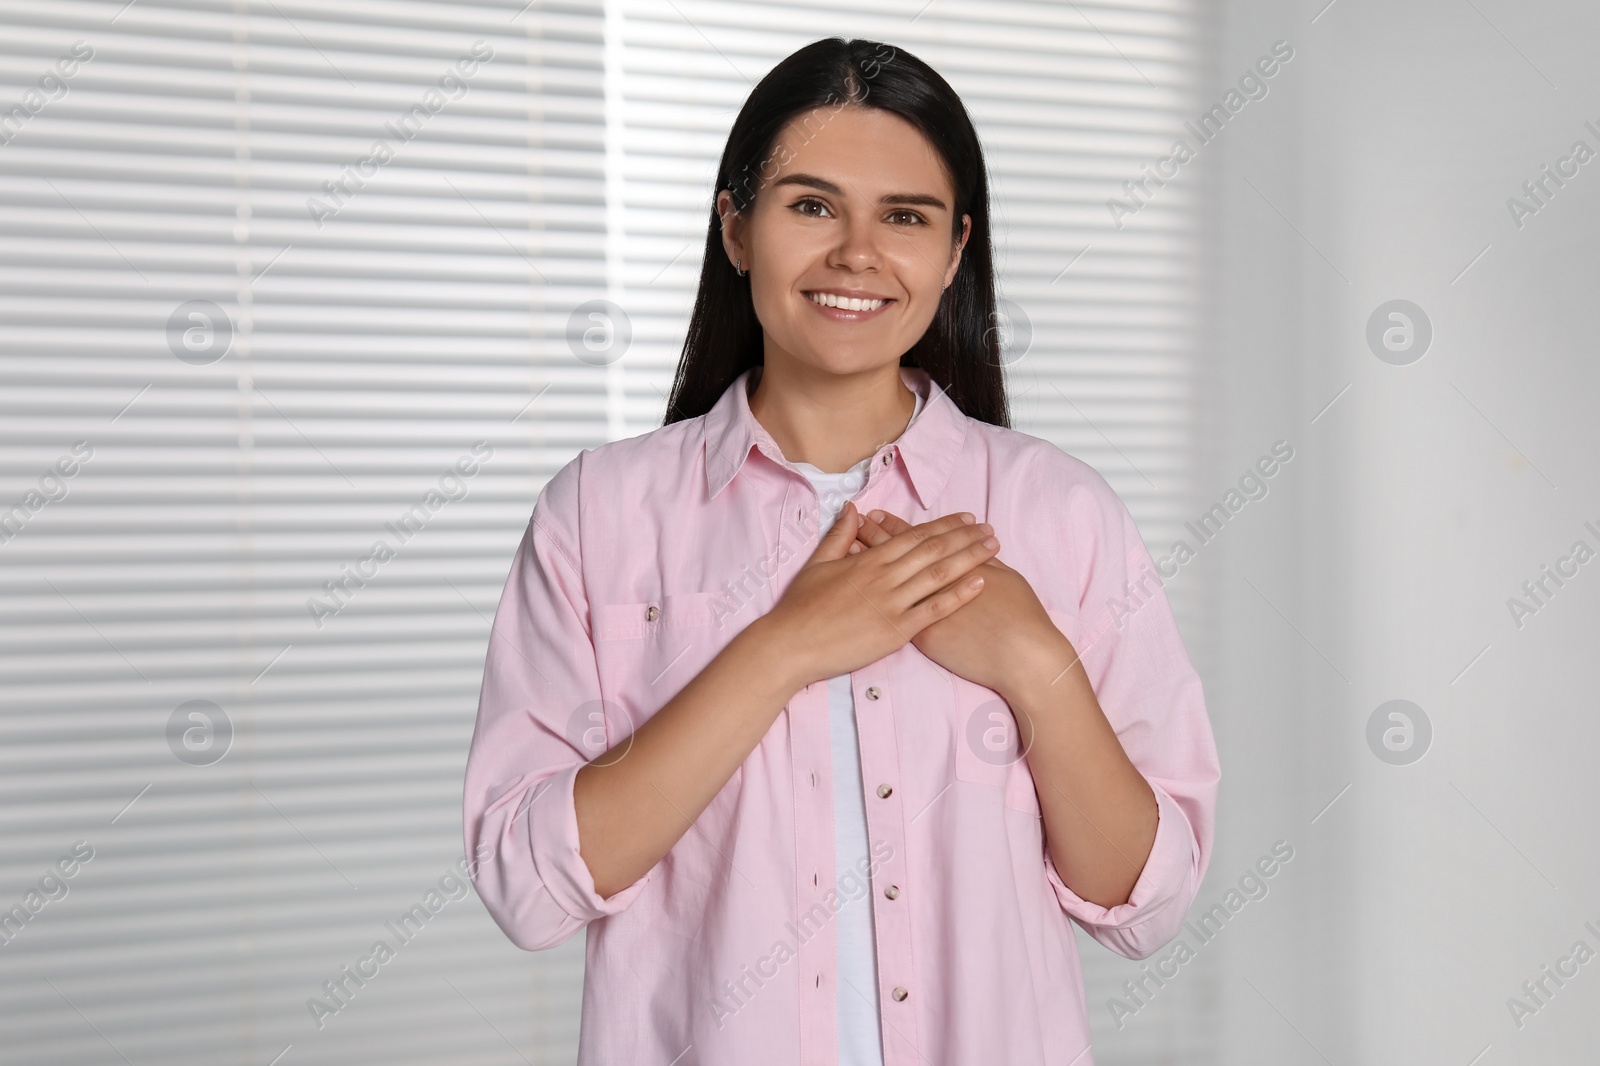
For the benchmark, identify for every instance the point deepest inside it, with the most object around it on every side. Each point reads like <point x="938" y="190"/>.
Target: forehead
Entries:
<point x="864" y="150"/>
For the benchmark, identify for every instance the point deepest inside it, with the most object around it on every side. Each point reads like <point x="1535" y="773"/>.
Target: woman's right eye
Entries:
<point x="802" y="205"/>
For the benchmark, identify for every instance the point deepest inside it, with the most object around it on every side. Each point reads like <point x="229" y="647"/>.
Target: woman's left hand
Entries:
<point x="998" y="640"/>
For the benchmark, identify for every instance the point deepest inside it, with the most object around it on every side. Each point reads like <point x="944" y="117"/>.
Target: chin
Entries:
<point x="840" y="362"/>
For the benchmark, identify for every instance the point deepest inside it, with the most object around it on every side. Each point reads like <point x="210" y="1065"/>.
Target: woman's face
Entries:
<point x="859" y="206"/>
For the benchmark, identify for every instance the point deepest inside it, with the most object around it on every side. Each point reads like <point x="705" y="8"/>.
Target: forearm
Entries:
<point x="1099" y="812"/>
<point x="631" y="811"/>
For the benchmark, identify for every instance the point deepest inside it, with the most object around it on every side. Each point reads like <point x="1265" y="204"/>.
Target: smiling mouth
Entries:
<point x="845" y="303"/>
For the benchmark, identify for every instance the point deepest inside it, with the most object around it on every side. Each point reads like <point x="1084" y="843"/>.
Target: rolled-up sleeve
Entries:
<point x="539" y="677"/>
<point x="1142" y="677"/>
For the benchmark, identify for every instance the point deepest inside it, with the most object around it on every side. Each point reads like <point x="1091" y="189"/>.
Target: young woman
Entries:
<point x="825" y="779"/>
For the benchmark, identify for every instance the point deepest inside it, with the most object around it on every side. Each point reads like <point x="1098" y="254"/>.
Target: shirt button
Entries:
<point x="884" y="791"/>
<point x="886" y="458"/>
<point x="899" y="993"/>
<point x="813" y="779"/>
<point x="893" y="892"/>
<point x="872" y="693"/>
<point x="652" y="613"/>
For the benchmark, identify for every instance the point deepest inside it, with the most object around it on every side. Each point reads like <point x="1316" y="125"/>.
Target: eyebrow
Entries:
<point x="916" y="198"/>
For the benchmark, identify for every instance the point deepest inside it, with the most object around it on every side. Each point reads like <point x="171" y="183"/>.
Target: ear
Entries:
<point x="955" y="256"/>
<point x="732" y="229"/>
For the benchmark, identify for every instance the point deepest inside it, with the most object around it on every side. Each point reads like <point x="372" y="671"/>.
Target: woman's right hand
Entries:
<point x="844" y="610"/>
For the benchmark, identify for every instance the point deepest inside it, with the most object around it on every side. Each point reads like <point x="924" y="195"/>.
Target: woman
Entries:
<point x="779" y="777"/>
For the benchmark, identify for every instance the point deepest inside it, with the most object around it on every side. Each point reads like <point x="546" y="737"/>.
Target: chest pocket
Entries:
<point x="632" y="621"/>
<point x="647" y="651"/>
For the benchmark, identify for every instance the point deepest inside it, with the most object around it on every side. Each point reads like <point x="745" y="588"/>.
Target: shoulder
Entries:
<point x="649" y="451"/>
<point x="1074" y="532"/>
<point x="1042" y="476"/>
<point x="621" y="474"/>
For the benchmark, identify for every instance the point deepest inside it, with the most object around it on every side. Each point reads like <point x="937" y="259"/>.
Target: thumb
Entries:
<point x="837" y="540"/>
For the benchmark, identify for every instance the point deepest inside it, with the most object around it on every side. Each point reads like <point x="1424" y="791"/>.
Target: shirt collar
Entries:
<point x="928" y="447"/>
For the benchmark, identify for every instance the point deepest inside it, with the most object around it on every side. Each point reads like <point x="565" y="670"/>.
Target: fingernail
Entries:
<point x="967" y="518"/>
<point x="877" y="516"/>
<point x="990" y="542"/>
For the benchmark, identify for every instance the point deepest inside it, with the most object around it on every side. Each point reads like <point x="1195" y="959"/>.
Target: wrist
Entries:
<point x="1041" y="673"/>
<point x="779" y="654"/>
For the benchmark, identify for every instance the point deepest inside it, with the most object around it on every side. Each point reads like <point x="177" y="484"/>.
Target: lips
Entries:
<point x="847" y="308"/>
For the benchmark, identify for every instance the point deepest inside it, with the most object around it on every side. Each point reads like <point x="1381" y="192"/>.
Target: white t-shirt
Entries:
<point x="860" y="1038"/>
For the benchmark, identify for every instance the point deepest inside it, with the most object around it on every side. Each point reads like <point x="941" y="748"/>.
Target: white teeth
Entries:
<point x="827" y="299"/>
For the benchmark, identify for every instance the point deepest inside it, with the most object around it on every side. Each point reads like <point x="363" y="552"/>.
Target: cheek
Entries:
<point x="785" y="244"/>
<point x="923" y="286"/>
<point x="782" y="260"/>
<point x="919" y="264"/>
<point x="778" y="308"/>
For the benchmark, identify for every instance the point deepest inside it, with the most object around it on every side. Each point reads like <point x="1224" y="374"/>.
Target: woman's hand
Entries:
<point x="845" y="609"/>
<point x="997" y="638"/>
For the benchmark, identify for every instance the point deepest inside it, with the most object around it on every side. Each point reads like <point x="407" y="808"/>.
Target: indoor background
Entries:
<point x="275" y="274"/>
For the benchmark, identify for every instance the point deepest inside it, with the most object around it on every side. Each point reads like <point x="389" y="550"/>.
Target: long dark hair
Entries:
<point x="961" y="349"/>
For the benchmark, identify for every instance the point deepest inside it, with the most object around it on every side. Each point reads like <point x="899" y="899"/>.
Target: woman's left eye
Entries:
<point x="911" y="216"/>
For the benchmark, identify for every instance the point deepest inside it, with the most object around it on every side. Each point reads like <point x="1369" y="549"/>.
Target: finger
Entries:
<point x="871" y="534"/>
<point x="878" y="526"/>
<point x="915" y="536"/>
<point x="836" y="542"/>
<point x="944" y="602"/>
<point x="955" y="554"/>
<point x="889" y="521"/>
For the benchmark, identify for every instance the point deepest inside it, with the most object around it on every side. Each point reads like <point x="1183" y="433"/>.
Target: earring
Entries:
<point x="738" y="265"/>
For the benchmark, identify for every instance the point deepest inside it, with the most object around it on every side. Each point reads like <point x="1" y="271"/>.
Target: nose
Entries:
<point x="858" y="249"/>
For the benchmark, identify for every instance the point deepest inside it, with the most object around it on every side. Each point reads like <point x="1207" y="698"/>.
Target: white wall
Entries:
<point x="1415" y="506"/>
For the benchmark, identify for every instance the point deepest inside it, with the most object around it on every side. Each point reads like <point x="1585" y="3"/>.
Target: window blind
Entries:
<point x="277" y="276"/>
<point x="298" y="274"/>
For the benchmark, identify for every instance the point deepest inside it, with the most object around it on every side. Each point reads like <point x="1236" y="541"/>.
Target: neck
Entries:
<point x="831" y="421"/>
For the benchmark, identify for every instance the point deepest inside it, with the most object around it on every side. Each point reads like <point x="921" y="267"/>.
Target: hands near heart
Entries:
<point x="998" y="638"/>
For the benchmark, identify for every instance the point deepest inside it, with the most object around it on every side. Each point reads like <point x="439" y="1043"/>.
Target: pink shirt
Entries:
<point x="643" y="557"/>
